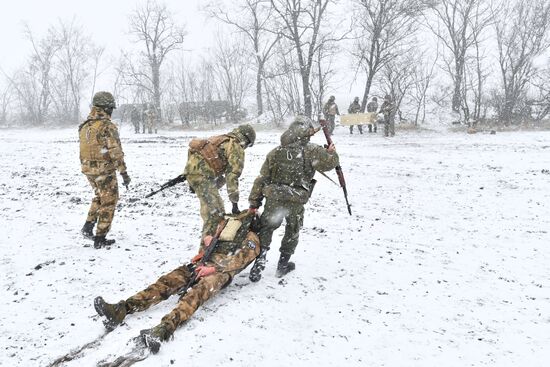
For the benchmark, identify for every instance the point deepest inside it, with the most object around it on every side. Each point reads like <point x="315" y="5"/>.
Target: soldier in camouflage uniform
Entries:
<point x="355" y="107"/>
<point x="330" y="110"/>
<point x="230" y="257"/>
<point x="388" y="110"/>
<point x="101" y="156"/>
<point x="210" y="164"/>
<point x="286" y="181"/>
<point x="134" y="118"/>
<point x="372" y="107"/>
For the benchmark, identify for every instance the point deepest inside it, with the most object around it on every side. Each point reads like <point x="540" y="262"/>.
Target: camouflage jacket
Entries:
<point x="100" y="149"/>
<point x="372" y="106"/>
<point x="388" y="109"/>
<point x="354" y="107"/>
<point x="331" y="109"/>
<point x="232" y="154"/>
<point x="233" y="256"/>
<point x="287" y="173"/>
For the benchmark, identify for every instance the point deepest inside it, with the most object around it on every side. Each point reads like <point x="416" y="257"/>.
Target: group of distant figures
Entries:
<point x="356" y="117"/>
<point x="146" y="119"/>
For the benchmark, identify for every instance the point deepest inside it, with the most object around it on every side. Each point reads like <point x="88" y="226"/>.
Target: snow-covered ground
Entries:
<point x="445" y="261"/>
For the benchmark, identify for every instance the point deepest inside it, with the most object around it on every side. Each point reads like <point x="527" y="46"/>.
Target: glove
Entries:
<point x="125" y="179"/>
<point x="235" y="209"/>
<point x="204" y="271"/>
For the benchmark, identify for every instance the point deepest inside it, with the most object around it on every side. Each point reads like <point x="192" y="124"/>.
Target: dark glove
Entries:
<point x="235" y="209"/>
<point x="125" y="179"/>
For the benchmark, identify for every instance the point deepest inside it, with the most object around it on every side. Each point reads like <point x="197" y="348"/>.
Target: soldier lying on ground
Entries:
<point x="237" y="247"/>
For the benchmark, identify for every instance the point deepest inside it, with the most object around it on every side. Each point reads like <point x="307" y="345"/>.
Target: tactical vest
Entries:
<point x="332" y="109"/>
<point x="209" y="149"/>
<point x="91" y="146"/>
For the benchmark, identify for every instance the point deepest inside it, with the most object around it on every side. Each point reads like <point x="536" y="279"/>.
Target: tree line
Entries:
<point x="477" y="59"/>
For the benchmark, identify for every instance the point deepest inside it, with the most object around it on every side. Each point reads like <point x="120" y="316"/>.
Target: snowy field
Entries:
<point x="445" y="261"/>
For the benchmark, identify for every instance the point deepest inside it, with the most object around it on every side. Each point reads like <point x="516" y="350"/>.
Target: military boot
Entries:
<point x="258" y="267"/>
<point x="284" y="266"/>
<point x="114" y="314"/>
<point x="101" y="241"/>
<point x="88" y="230"/>
<point x="154" y="336"/>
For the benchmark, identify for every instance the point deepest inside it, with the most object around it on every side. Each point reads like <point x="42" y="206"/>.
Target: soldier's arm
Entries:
<point x="235" y="164"/>
<point x="256" y="194"/>
<point x="114" y="148"/>
<point x="321" y="159"/>
<point x="248" y="251"/>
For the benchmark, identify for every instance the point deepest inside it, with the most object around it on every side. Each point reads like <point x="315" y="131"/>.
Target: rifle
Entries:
<point x="338" y="168"/>
<point x="172" y="182"/>
<point x="205" y="258"/>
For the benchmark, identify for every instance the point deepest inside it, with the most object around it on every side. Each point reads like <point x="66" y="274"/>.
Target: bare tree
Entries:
<point x="301" y="22"/>
<point x="232" y="74"/>
<point x="399" y="79"/>
<point x="522" y="31"/>
<point x="6" y="97"/>
<point x="153" y="25"/>
<point x="252" y="18"/>
<point x="383" y="26"/>
<point x="423" y="75"/>
<point x="541" y="101"/>
<point x="463" y="21"/>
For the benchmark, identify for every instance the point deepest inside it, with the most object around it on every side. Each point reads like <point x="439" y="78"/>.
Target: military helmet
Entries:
<point x="356" y="99"/>
<point x="301" y="127"/>
<point x="246" y="131"/>
<point x="104" y="99"/>
<point x="332" y="98"/>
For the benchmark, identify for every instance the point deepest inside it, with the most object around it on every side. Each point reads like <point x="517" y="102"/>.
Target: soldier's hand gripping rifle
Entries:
<point x="210" y="249"/>
<point x="338" y="168"/>
<point x="172" y="182"/>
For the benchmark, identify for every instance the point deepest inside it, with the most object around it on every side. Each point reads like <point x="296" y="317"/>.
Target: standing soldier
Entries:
<point x="286" y="181"/>
<point x="231" y="256"/>
<point x="330" y="110"/>
<point x="372" y="107"/>
<point x="134" y="117"/>
<point x="151" y="120"/>
<point x="388" y="110"/>
<point x="101" y="156"/>
<point x="210" y="164"/>
<point x="355" y="107"/>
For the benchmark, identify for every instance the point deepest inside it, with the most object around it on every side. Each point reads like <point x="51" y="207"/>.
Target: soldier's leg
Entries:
<point x="294" y="222"/>
<point x="108" y="197"/>
<point x="360" y="127"/>
<point x="375" y="126"/>
<point x="271" y="219"/>
<point x="370" y="128"/>
<point x="351" y="129"/>
<point x="392" y="127"/>
<point x="386" y="127"/>
<point x="163" y="288"/>
<point x="195" y="297"/>
<point x="211" y="204"/>
<point x="96" y="203"/>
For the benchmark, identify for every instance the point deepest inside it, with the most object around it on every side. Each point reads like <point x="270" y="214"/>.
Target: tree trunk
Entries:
<point x="367" y="91"/>
<point x="259" y="100"/>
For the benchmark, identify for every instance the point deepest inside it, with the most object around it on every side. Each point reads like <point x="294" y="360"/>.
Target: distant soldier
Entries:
<point x="101" y="156"/>
<point x="151" y="120"/>
<point x="210" y="164"/>
<point x="355" y="107"/>
<point x="135" y="119"/>
<point x="330" y="110"/>
<point x="286" y="181"/>
<point x="231" y="256"/>
<point x="372" y="107"/>
<point x="388" y="110"/>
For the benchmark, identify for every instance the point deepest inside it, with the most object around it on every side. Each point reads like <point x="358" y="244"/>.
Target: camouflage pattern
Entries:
<point x="104" y="99"/>
<point x="330" y="110"/>
<point x="372" y="106"/>
<point x="286" y="181"/>
<point x="204" y="180"/>
<point x="135" y="118"/>
<point x="228" y="263"/>
<point x="388" y="109"/>
<point x="355" y="107"/>
<point x="150" y="121"/>
<point x="100" y="156"/>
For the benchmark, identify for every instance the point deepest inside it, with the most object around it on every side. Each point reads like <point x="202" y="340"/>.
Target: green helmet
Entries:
<point x="301" y="127"/>
<point x="247" y="133"/>
<point x="104" y="99"/>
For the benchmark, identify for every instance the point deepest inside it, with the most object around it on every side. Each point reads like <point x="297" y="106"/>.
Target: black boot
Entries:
<point x="101" y="241"/>
<point x="284" y="266"/>
<point x="114" y="314"/>
<point x="154" y="336"/>
<point x="88" y="230"/>
<point x="258" y="267"/>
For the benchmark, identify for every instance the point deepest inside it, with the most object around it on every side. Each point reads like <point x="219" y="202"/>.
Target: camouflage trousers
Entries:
<point x="331" y="124"/>
<point x="389" y="127"/>
<point x="272" y="218"/>
<point x="211" y="204"/>
<point x="102" y="209"/>
<point x="168" y="285"/>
